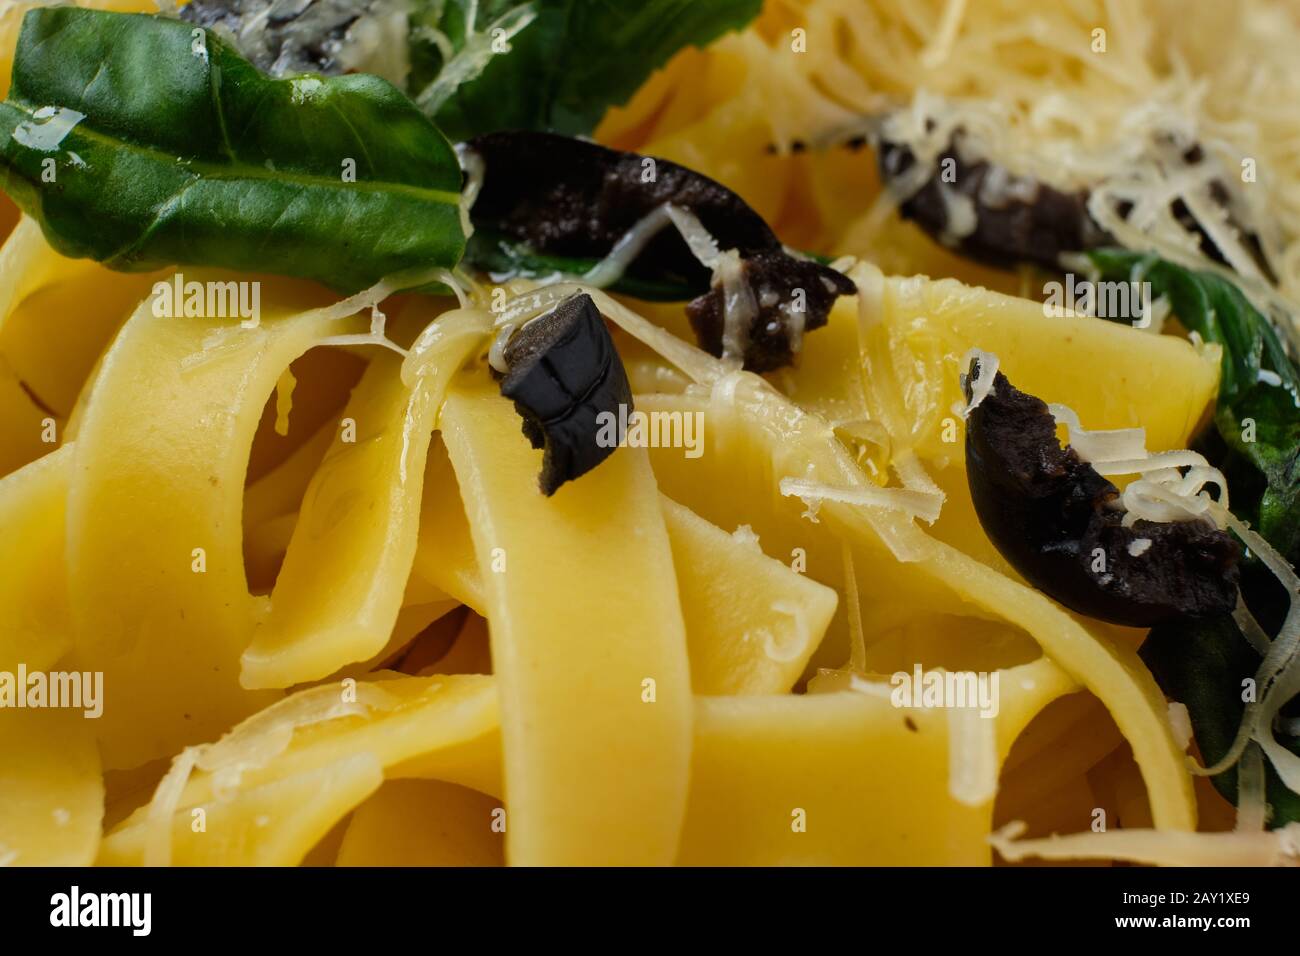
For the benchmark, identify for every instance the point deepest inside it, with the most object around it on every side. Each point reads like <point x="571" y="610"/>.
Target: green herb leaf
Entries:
<point x="1203" y="664"/>
<point x="1257" y="419"/>
<point x="565" y="67"/>
<point x="168" y="147"/>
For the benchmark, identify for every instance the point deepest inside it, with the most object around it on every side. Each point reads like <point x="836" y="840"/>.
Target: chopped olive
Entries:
<point x="562" y="374"/>
<point x="569" y="198"/>
<point x="781" y="284"/>
<point x="1057" y="521"/>
<point x="1019" y="219"/>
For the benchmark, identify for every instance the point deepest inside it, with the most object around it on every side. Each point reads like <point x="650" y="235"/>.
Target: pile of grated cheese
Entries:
<point x="1091" y="94"/>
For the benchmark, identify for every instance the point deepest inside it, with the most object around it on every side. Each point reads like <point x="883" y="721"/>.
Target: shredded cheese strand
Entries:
<point x="1157" y="847"/>
<point x="1278" y="677"/>
<point x="920" y="504"/>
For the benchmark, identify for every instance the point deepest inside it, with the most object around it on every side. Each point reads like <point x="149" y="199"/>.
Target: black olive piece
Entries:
<point x="562" y="373"/>
<point x="1037" y="227"/>
<point x="1036" y="223"/>
<point x="1048" y="512"/>
<point x="572" y="198"/>
<point x="775" y="279"/>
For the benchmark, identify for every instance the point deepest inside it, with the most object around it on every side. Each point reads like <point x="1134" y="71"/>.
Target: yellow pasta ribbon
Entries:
<point x="51" y="789"/>
<point x="736" y="643"/>
<point x="339" y="739"/>
<point x="775" y="779"/>
<point x="156" y="577"/>
<point x="425" y="823"/>
<point x="339" y="592"/>
<point x="588" y="644"/>
<point x="843" y="778"/>
<point x="34" y="625"/>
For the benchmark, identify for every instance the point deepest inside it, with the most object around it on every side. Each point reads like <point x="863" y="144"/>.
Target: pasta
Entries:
<point x="336" y="621"/>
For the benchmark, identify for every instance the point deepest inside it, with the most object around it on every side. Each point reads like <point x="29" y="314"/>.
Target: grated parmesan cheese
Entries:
<point x="972" y="757"/>
<point x="960" y="216"/>
<point x="629" y="245"/>
<point x="251" y="744"/>
<point x="162" y="808"/>
<point x="1250" y="628"/>
<point x="920" y="504"/>
<point x="1161" y="492"/>
<point x="1181" y="723"/>
<point x="1278" y="678"/>
<point x="982" y="386"/>
<point x="221" y="339"/>
<point x="1138" y="547"/>
<point x="1252" y="800"/>
<point x="476" y="52"/>
<point x="739" y="308"/>
<point x="1116" y="118"/>
<point x="472" y="165"/>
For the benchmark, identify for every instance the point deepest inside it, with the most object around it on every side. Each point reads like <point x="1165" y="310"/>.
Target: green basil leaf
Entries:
<point x="168" y="147"/>
<point x="573" y="60"/>
<point x="1275" y="453"/>
<point x="1202" y="664"/>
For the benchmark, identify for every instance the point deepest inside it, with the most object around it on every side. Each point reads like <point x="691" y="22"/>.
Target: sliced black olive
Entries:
<point x="1030" y="221"/>
<point x="570" y="198"/>
<point x="562" y="373"/>
<point x="298" y="36"/>
<point x="776" y="280"/>
<point x="1048" y="512"/>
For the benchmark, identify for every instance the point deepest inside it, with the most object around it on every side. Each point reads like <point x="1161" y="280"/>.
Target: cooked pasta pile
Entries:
<point x="338" y="624"/>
